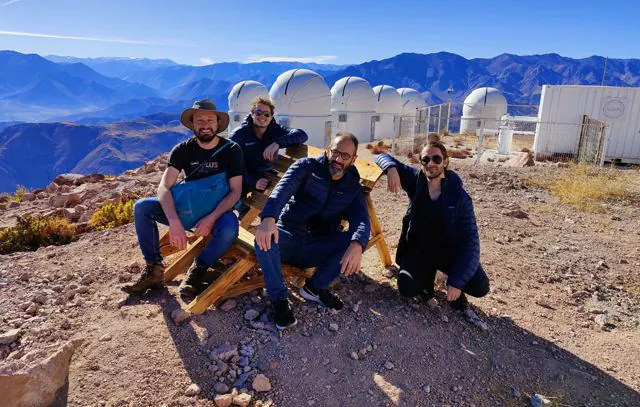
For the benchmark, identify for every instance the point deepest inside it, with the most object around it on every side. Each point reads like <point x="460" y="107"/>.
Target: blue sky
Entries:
<point x="342" y="32"/>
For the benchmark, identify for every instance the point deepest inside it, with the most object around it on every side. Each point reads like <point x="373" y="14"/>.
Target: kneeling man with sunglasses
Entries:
<point x="301" y="226"/>
<point x="439" y="230"/>
<point x="260" y="138"/>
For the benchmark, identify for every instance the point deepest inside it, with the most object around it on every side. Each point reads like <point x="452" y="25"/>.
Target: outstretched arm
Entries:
<point x="395" y="169"/>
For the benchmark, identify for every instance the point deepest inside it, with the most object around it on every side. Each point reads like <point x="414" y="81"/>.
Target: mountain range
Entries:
<point x="83" y="96"/>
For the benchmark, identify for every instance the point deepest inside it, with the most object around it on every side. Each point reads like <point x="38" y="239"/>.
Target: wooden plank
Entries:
<point x="243" y="287"/>
<point x="297" y="151"/>
<point x="373" y="241"/>
<point x="256" y="200"/>
<point x="376" y="230"/>
<point x="282" y="164"/>
<point x="249" y="217"/>
<point x="218" y="288"/>
<point x="183" y="262"/>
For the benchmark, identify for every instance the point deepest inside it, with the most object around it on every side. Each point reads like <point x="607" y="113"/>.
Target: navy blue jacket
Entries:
<point x="460" y="221"/>
<point x="306" y="200"/>
<point x="253" y="147"/>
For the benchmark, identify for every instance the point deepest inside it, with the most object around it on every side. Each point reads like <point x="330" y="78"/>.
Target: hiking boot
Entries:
<point x="194" y="283"/>
<point x="461" y="303"/>
<point x="282" y="315"/>
<point x="430" y="298"/>
<point x="152" y="277"/>
<point x="324" y="297"/>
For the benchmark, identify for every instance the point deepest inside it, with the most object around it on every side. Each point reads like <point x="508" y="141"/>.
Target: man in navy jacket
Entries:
<point x="301" y="226"/>
<point x="439" y="230"/>
<point x="260" y="138"/>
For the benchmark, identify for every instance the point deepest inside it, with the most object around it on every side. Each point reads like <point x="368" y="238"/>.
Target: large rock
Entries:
<point x="64" y="200"/>
<point x="520" y="161"/>
<point x="242" y="400"/>
<point x="261" y="383"/>
<point x="10" y="337"/>
<point x="77" y="179"/>
<point x="41" y="383"/>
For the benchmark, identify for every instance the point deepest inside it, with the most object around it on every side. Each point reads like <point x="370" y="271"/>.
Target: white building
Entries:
<point x="561" y="112"/>
<point x="412" y="100"/>
<point x="483" y="106"/>
<point x="353" y="108"/>
<point x="303" y="100"/>
<point x="389" y="109"/>
<point x="240" y="98"/>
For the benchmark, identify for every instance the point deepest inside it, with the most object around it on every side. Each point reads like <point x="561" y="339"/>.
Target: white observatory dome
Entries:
<point x="301" y="92"/>
<point x="243" y="93"/>
<point x="411" y="100"/>
<point x="352" y="94"/>
<point x="388" y="98"/>
<point x="485" y="103"/>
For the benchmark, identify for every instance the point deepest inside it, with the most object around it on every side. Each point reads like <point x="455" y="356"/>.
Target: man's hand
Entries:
<point x="393" y="180"/>
<point x="177" y="235"/>
<point x="351" y="259"/>
<point x="453" y="293"/>
<point x="264" y="232"/>
<point x="271" y="152"/>
<point x="204" y="225"/>
<point x="262" y="184"/>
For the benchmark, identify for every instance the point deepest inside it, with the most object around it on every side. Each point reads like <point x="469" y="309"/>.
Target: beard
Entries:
<point x="205" y="137"/>
<point x="431" y="173"/>
<point x="336" y="169"/>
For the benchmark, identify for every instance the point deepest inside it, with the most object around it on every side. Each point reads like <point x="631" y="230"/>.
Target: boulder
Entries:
<point x="64" y="200"/>
<point x="28" y="197"/>
<point x="223" y="400"/>
<point x="520" y="161"/>
<point x="10" y="337"/>
<point x="261" y="383"/>
<point x="68" y="179"/>
<point x="43" y="382"/>
<point x="242" y="400"/>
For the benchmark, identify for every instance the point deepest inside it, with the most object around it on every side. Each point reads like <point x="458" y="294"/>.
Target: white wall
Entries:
<point x="387" y="126"/>
<point x="357" y="123"/>
<point x="563" y="105"/>
<point x="318" y="128"/>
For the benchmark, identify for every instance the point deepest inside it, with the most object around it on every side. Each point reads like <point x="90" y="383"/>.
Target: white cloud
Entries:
<point x="320" y="59"/>
<point x="205" y="61"/>
<point x="9" y="2"/>
<point x="69" y="37"/>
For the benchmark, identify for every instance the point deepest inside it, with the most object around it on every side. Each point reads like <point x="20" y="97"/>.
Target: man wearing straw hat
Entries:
<point x="202" y="156"/>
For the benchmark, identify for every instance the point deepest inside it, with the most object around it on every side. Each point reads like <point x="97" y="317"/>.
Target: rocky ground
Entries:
<point x="562" y="320"/>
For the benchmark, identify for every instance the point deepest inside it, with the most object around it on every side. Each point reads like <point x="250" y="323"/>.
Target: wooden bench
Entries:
<point x="232" y="282"/>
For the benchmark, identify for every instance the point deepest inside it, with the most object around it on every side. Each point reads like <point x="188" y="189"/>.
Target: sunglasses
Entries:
<point x="344" y="156"/>
<point x="259" y="113"/>
<point x="437" y="159"/>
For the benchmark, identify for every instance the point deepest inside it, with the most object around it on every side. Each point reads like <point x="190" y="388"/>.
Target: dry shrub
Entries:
<point x="20" y="192"/>
<point x="112" y="214"/>
<point x="457" y="153"/>
<point x="588" y="187"/>
<point x="458" y="141"/>
<point x="32" y="232"/>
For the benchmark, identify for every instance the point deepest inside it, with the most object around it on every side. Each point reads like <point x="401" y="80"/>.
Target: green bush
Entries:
<point x="32" y="232"/>
<point x="111" y="215"/>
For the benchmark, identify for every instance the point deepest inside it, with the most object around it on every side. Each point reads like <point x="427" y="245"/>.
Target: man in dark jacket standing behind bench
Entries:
<point x="301" y="226"/>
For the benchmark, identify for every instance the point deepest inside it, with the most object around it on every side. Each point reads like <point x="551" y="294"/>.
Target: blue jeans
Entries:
<point x="302" y="250"/>
<point x="148" y="211"/>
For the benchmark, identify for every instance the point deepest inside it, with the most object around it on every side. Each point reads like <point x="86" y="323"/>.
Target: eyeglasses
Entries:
<point x="259" y="113"/>
<point x="437" y="159"/>
<point x="344" y="156"/>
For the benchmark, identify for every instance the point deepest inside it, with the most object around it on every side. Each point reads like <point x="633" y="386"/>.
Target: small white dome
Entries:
<point x="485" y="103"/>
<point x="301" y="92"/>
<point x="352" y="94"/>
<point x="243" y="93"/>
<point x="388" y="98"/>
<point x="411" y="100"/>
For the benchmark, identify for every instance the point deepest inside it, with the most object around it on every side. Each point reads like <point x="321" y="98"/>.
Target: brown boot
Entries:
<point x="152" y="277"/>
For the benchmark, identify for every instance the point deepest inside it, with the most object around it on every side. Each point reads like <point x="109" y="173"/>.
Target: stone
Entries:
<point x="516" y="213"/>
<point x="228" y="305"/>
<point x="261" y="383"/>
<point x="524" y="159"/>
<point x="242" y="379"/>
<point x="354" y="355"/>
<point x="32" y="309"/>
<point x="14" y="204"/>
<point x="179" y="315"/>
<point x="105" y="338"/>
<point x="242" y="400"/>
<point x="538" y="400"/>
<point x="64" y="200"/>
<point x="223" y="400"/>
<point x="10" y="337"/>
<point x="192" y="391"/>
<point x="388" y="365"/>
<point x="251" y="314"/>
<point x="28" y="197"/>
<point x="333" y="327"/>
<point x="221" y="388"/>
<point x="515" y="392"/>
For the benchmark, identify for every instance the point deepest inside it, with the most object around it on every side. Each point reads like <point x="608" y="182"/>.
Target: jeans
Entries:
<point x="302" y="250"/>
<point x="148" y="211"/>
<point x="418" y="272"/>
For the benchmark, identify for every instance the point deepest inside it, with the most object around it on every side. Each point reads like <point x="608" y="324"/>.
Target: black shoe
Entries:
<point x="324" y="297"/>
<point x="461" y="303"/>
<point x="152" y="277"/>
<point x="194" y="283"/>
<point x="427" y="295"/>
<point x="282" y="315"/>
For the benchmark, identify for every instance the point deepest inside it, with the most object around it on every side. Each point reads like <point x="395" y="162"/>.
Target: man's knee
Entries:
<point x="144" y="206"/>
<point x="407" y="285"/>
<point x="227" y="227"/>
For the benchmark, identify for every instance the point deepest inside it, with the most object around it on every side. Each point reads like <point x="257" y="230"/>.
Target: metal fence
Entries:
<point x="572" y="142"/>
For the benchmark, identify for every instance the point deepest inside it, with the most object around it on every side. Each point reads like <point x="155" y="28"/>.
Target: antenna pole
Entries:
<point x="604" y="72"/>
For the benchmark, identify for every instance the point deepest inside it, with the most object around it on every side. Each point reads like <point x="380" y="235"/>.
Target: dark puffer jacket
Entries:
<point x="306" y="200"/>
<point x="253" y="147"/>
<point x="461" y="228"/>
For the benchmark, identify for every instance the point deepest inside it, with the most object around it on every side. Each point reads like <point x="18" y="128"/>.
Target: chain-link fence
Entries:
<point x="575" y="142"/>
